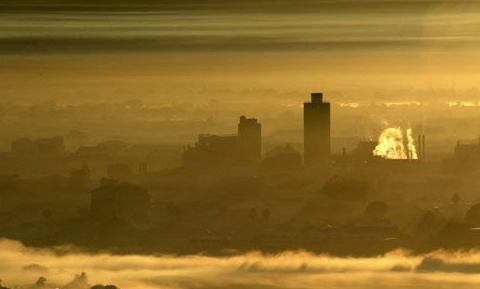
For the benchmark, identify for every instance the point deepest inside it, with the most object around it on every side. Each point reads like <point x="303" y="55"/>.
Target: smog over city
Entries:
<point x="194" y="144"/>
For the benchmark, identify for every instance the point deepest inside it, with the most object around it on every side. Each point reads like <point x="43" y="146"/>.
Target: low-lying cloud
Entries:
<point x="23" y="267"/>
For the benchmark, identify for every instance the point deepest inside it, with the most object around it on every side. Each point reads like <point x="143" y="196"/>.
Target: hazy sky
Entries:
<point x="60" y="49"/>
<point x="236" y="26"/>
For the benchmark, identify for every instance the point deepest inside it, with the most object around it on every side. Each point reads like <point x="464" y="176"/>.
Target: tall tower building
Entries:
<point x="316" y="131"/>
<point x="250" y="134"/>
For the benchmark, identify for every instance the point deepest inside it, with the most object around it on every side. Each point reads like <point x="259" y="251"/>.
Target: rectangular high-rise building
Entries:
<point x="250" y="134"/>
<point x="316" y="131"/>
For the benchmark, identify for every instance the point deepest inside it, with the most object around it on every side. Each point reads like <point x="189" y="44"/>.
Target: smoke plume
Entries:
<point x="393" y="143"/>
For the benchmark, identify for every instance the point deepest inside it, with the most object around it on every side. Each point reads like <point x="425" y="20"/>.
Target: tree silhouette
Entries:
<point x="455" y="199"/>
<point x="1" y="286"/>
<point x="100" y="286"/>
<point x="473" y="215"/>
<point x="42" y="281"/>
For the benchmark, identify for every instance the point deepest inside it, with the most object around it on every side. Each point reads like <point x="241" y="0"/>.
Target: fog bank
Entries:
<point x="21" y="266"/>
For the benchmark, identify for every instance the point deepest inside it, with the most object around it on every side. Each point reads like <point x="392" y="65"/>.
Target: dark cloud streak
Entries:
<point x="38" y="45"/>
<point x="228" y="26"/>
<point x="224" y="5"/>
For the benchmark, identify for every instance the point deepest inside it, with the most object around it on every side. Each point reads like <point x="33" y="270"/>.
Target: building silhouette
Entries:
<point x="121" y="172"/>
<point x="80" y="178"/>
<point x="213" y="151"/>
<point x="364" y="150"/>
<point x="225" y="151"/>
<point x="250" y="134"/>
<point x="316" y="130"/>
<point x="39" y="147"/>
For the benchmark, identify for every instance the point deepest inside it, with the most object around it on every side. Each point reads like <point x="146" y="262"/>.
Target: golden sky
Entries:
<point x="62" y="48"/>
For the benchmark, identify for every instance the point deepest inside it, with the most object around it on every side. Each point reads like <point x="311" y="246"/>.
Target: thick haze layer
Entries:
<point x="95" y="50"/>
<point x="21" y="266"/>
<point x="320" y="26"/>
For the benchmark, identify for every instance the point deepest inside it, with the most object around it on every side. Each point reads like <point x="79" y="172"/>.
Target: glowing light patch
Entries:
<point x="393" y="143"/>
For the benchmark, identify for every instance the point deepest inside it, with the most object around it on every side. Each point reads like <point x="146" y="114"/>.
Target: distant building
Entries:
<point x="122" y="172"/>
<point x="466" y="159"/>
<point x="467" y="151"/>
<point x="24" y="146"/>
<point x="76" y="138"/>
<point x="107" y="148"/>
<point x="250" y="134"/>
<point x="120" y="200"/>
<point x="316" y="126"/>
<point x="364" y="151"/>
<point x="214" y="151"/>
<point x="80" y="178"/>
<point x="87" y="151"/>
<point x="40" y="147"/>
